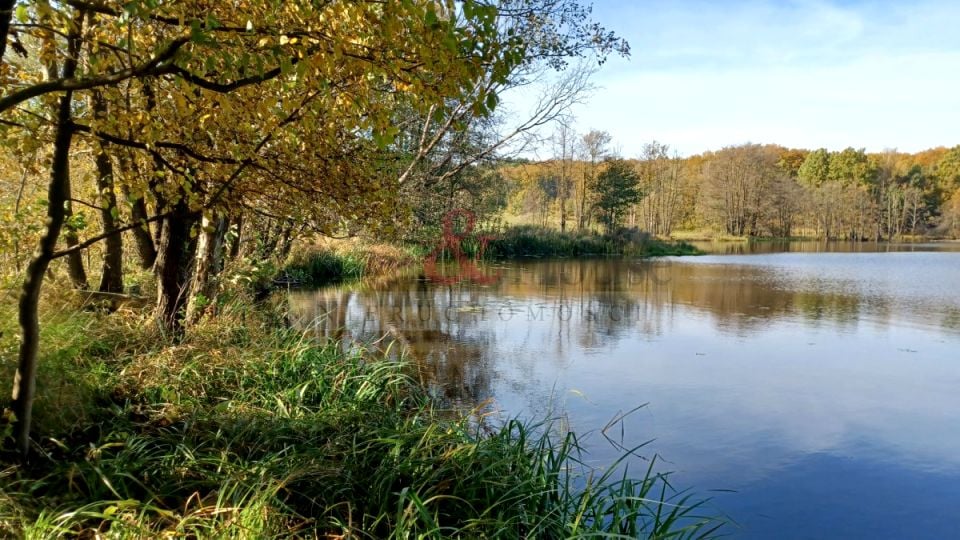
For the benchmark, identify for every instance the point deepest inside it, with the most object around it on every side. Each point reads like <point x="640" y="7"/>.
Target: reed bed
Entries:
<point x="532" y="241"/>
<point x="327" y="261"/>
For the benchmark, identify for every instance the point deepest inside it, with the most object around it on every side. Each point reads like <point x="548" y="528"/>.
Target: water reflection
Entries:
<point x="755" y="367"/>
<point x="821" y="246"/>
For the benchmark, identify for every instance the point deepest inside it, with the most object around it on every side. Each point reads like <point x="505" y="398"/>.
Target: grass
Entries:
<point x="533" y="241"/>
<point x="706" y="235"/>
<point x="329" y="261"/>
<point x="247" y="430"/>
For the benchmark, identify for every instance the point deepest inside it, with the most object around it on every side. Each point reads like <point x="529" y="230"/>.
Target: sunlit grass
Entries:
<point x="326" y="262"/>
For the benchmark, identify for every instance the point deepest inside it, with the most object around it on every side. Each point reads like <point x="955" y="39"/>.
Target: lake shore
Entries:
<point x="721" y="349"/>
<point x="245" y="429"/>
<point x="325" y="262"/>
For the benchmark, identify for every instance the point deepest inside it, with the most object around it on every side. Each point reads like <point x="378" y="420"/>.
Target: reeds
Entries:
<point x="335" y="261"/>
<point x="532" y="241"/>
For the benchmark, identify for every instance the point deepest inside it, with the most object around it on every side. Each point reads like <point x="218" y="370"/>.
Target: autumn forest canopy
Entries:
<point x="167" y="135"/>
<point x="749" y="190"/>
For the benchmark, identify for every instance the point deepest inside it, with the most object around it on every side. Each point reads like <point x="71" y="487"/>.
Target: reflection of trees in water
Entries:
<point x="746" y="299"/>
<point x="839" y="310"/>
<point x="607" y="299"/>
<point x="552" y="309"/>
<point x="597" y="301"/>
<point x="432" y="326"/>
<point x="951" y="319"/>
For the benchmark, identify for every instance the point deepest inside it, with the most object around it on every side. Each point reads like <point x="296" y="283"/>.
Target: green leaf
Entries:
<point x="492" y="101"/>
<point x="431" y="18"/>
<point x="212" y="22"/>
<point x="196" y="32"/>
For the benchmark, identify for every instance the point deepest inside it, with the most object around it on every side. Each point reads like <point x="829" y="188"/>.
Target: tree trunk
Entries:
<point x="173" y="265"/>
<point x="141" y="235"/>
<point x="78" y="275"/>
<point x="58" y="195"/>
<point x="6" y="12"/>
<point x="286" y="242"/>
<point x="111" y="280"/>
<point x="238" y="236"/>
<point x="146" y="249"/>
<point x="156" y="179"/>
<point x="209" y="262"/>
<point x="562" y="192"/>
<point x="272" y="240"/>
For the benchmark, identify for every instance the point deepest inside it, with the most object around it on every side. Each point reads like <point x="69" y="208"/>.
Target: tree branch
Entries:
<point x="91" y="241"/>
<point x="225" y="88"/>
<point x="159" y="65"/>
<point x="130" y="143"/>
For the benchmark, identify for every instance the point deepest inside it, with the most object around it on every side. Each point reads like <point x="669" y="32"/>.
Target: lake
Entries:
<point x="820" y="383"/>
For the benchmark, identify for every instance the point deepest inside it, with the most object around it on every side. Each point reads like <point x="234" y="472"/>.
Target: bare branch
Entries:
<point x="91" y="241"/>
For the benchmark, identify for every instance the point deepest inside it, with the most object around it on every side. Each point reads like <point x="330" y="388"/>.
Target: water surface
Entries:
<point x="818" y="381"/>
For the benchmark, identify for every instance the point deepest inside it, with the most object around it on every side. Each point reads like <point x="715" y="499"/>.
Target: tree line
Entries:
<point x="744" y="190"/>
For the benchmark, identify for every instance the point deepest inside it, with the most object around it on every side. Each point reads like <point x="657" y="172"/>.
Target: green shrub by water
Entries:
<point x="246" y="431"/>
<point x="532" y="241"/>
<point x="332" y="262"/>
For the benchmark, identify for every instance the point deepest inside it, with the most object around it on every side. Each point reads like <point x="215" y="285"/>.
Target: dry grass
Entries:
<point x="323" y="260"/>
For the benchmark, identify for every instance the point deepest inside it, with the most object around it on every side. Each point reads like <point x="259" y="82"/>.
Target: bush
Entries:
<point x="330" y="262"/>
<point x="532" y="241"/>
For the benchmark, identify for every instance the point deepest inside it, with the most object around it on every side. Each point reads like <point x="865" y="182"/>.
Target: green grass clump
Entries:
<point x="332" y="262"/>
<point x="245" y="430"/>
<point x="533" y="241"/>
<point x="322" y="267"/>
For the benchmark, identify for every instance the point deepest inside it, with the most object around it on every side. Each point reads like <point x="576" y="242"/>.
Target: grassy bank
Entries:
<point x="329" y="261"/>
<point x="706" y="235"/>
<point x="245" y="430"/>
<point x="532" y="241"/>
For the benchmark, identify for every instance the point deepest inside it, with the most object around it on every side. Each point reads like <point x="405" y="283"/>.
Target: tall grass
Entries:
<point x="326" y="262"/>
<point x="533" y="241"/>
<point x="245" y="430"/>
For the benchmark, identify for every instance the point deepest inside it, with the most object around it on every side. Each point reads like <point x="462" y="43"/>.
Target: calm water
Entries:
<point x="819" y="382"/>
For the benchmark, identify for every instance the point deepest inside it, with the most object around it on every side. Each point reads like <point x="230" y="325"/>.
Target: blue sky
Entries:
<point x="703" y="75"/>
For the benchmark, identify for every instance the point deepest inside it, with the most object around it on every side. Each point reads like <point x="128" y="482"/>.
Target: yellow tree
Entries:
<point x="221" y="87"/>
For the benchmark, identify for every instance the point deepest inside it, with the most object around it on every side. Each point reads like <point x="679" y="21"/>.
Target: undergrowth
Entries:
<point x="326" y="262"/>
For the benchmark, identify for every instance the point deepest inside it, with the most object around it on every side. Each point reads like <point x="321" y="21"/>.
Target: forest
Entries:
<point x="167" y="165"/>
<point x="749" y="190"/>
